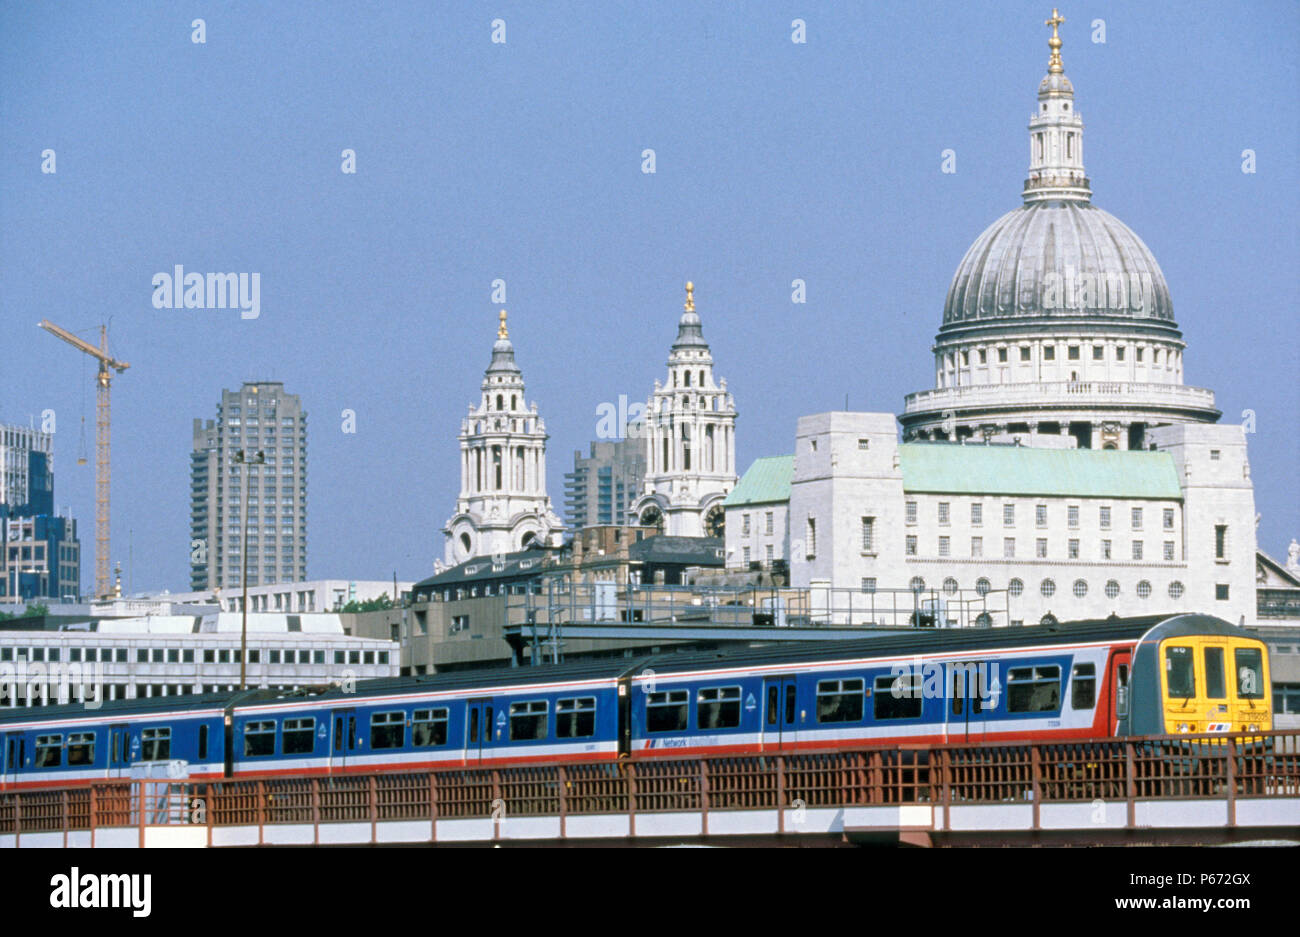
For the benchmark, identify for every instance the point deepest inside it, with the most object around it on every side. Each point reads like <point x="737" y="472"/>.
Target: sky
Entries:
<point x="522" y="161"/>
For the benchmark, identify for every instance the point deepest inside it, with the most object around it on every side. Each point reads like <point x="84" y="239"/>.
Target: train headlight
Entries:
<point x="1182" y="727"/>
<point x="1253" y="727"/>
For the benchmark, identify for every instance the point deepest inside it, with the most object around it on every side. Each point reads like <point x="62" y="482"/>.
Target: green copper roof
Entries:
<point x="764" y="482"/>
<point x="1017" y="470"/>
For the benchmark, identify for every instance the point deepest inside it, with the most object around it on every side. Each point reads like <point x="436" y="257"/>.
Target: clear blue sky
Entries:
<point x="522" y="161"/>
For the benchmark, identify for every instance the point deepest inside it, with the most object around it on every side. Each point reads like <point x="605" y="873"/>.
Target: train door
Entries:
<point x="478" y="729"/>
<point x="974" y="687"/>
<point x="344" y="743"/>
<point x="15" y="749"/>
<point x="1120" y="692"/>
<point x="779" y="726"/>
<point x="119" y="750"/>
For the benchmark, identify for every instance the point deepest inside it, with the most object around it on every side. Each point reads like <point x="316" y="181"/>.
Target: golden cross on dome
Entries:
<point x="1054" y="64"/>
<point x="690" y="296"/>
<point x="501" y="329"/>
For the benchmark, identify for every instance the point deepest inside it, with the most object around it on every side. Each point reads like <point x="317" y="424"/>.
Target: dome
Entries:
<point x="1057" y="259"/>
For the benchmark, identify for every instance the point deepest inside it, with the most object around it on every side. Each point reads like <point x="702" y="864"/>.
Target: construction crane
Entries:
<point x="103" y="588"/>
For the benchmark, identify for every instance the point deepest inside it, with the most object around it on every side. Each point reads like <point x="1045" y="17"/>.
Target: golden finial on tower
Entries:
<point x="690" y="296"/>
<point x="501" y="329"/>
<point x="1054" y="64"/>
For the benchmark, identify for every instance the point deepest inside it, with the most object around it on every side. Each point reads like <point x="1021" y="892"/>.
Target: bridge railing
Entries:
<point x="1258" y="765"/>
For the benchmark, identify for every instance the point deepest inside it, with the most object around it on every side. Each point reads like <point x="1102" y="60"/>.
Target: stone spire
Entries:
<point x="1056" y="135"/>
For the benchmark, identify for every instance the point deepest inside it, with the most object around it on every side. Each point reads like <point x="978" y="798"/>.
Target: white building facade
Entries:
<point x="503" y="505"/>
<point x="690" y="439"/>
<point x="1070" y="533"/>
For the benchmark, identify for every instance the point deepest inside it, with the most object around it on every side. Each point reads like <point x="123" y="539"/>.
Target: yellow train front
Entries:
<point x="1198" y="675"/>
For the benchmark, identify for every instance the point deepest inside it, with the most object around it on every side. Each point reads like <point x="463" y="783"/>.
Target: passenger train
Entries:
<point x="1137" y="676"/>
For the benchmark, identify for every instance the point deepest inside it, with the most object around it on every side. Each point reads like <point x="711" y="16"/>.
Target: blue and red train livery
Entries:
<point x="1157" y="675"/>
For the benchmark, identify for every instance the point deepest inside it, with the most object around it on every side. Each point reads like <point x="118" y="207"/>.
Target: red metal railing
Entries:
<point x="1263" y="765"/>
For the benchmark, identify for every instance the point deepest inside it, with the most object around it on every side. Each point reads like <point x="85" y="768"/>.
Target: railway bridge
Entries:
<point x="1148" y="790"/>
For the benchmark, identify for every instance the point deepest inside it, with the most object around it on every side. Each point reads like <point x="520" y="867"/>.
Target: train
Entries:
<point x="1120" y="677"/>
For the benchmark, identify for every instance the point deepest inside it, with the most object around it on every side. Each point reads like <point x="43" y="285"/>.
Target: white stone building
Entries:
<point x="758" y="525"/>
<point x="503" y="505"/>
<point x="690" y="434"/>
<point x="1073" y="533"/>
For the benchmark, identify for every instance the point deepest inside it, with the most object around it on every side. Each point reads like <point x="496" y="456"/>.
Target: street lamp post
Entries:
<point x="241" y="459"/>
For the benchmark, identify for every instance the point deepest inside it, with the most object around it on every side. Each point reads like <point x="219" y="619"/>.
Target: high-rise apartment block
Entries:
<point x="270" y="496"/>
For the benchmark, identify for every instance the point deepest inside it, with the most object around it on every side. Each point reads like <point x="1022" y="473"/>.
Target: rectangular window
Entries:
<point x="1105" y="549"/>
<point x="1049" y="352"/>
<point x="81" y="748"/>
<point x="744" y="523"/>
<point x="1216" y="686"/>
<point x="1073" y="353"/>
<point x="528" y="720"/>
<point x="259" y="738"/>
<point x="718" y="708"/>
<point x="387" y="730"/>
<point x="1105" y="518"/>
<point x="1008" y="515"/>
<point x="976" y="547"/>
<point x="575" y="718"/>
<point x="1180" y="675"/>
<point x="839" y="700"/>
<point x="1137" y="518"/>
<point x="1002" y="354"/>
<point x="945" y="546"/>
<point x="869" y="584"/>
<point x="910" y="545"/>
<point x="1074" y="549"/>
<point x="811" y="542"/>
<point x="1040" y="515"/>
<point x="49" y="751"/>
<point x="943" y="512"/>
<point x="1009" y="548"/>
<point x="1083" y="686"/>
<point x="1098" y="352"/>
<point x="1137" y="549"/>
<point x="897" y="697"/>
<point x="1220" y="541"/>
<point x="1214" y="455"/>
<point x="1250" y="672"/>
<point x="666" y="711"/>
<point x="1119" y="352"/>
<point x="1168" y="518"/>
<point x="299" y="736"/>
<point x="1034" y="689"/>
<point x="868" y="534"/>
<point x="1221" y="591"/>
<point x="156" y="744"/>
<point x="1169" y="550"/>
<point x="1072" y="515"/>
<point x="1024" y="352"/>
<point x="910" y="512"/>
<point x="429" y="727"/>
<point x="767" y="522"/>
<point x="1040" y="548"/>
<point x="977" y="515"/>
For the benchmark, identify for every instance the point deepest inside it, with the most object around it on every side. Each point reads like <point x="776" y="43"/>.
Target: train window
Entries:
<point x="789" y="703"/>
<point x="966" y="683"/>
<point x="299" y="736"/>
<point x="575" y="718"/>
<point x="1083" y="686"/>
<point x="839" y="700"/>
<point x="156" y="744"/>
<point x="1179" y="674"/>
<point x="718" y="708"/>
<point x="1121" y="690"/>
<point x="387" y="730"/>
<point x="259" y="738"/>
<point x="203" y="741"/>
<point x="897" y="697"/>
<point x="81" y="748"/>
<point x="1034" y="689"/>
<point x="429" y="727"/>
<point x="49" y="751"/>
<point x="528" y="720"/>
<point x="666" y="711"/>
<point x="773" y="704"/>
<point x="473" y="725"/>
<point x="1250" y="673"/>
<point x="1216" y="687"/>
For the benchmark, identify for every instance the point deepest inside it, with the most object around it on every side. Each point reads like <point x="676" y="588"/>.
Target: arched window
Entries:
<point x="701" y="378"/>
<point x="950" y="586"/>
<point x="500" y="402"/>
<point x="688" y="378"/>
<point x="917" y="584"/>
